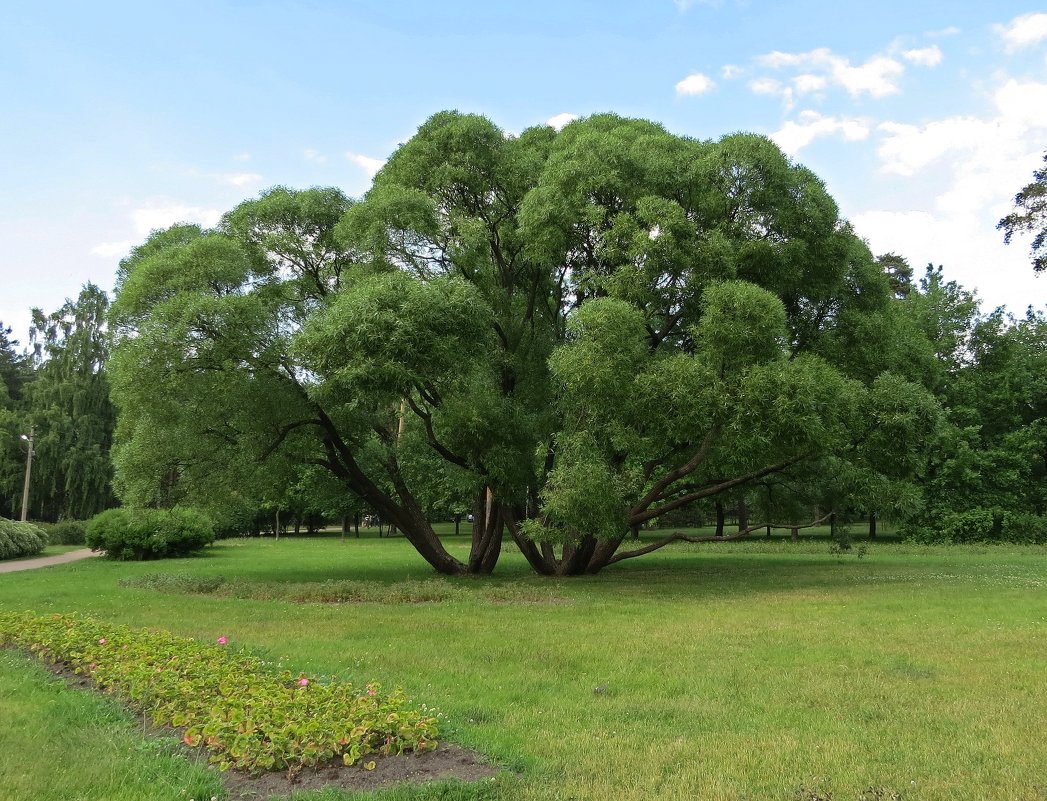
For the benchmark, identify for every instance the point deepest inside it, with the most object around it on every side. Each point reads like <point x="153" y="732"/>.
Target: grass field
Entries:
<point x="762" y="669"/>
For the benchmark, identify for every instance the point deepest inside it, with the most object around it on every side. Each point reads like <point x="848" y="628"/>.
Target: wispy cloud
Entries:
<point x="560" y="120"/>
<point x="153" y="218"/>
<point x="369" y="165"/>
<point x="695" y="84"/>
<point x="314" y="156"/>
<point x="243" y="179"/>
<point x="877" y="76"/>
<point x="1023" y="31"/>
<point x="108" y="250"/>
<point x="242" y="157"/>
<point x="924" y="56"/>
<point x="795" y="135"/>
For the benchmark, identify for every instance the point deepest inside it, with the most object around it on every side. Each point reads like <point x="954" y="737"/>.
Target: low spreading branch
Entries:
<point x="679" y="536"/>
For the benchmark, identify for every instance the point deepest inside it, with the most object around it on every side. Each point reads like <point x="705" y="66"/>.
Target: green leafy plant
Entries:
<point x="66" y="532"/>
<point x="20" y="539"/>
<point x="139" y="534"/>
<point x="226" y="702"/>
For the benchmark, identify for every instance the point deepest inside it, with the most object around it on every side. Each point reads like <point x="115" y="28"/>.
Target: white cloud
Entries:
<point x="809" y="83"/>
<point x="1018" y="127"/>
<point x="793" y="136"/>
<point x="110" y="249"/>
<point x="1023" y="31"/>
<point x="683" y="5"/>
<point x="730" y="71"/>
<point x="877" y="76"/>
<point x="242" y="179"/>
<point x="695" y="84"/>
<point x="366" y="163"/>
<point x="242" y="157"/>
<point x="952" y="30"/>
<point x="924" y="56"/>
<point x="560" y="120"/>
<point x="765" y="86"/>
<point x="314" y="156"/>
<point x="157" y="217"/>
<point x="968" y="169"/>
<point x="153" y="218"/>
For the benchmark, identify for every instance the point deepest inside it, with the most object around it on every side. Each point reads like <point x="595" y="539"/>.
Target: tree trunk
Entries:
<point x="795" y="533"/>
<point x="872" y="525"/>
<point x="719" y="518"/>
<point x="356" y="524"/>
<point x="298" y="525"/>
<point x="457" y="524"/>
<point x="276" y="525"/>
<point x="488" y="527"/>
<point x="345" y="526"/>
<point x="743" y="515"/>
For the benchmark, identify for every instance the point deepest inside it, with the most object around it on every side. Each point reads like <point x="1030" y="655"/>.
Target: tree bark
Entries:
<point x="743" y="515"/>
<point x="719" y="518"/>
<point x="872" y="525"/>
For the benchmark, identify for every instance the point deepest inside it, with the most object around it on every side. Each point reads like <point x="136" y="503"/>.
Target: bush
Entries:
<point x="66" y="532"/>
<point x="139" y="534"/>
<point x="20" y="539"/>
<point x="226" y="702"/>
<point x="981" y="525"/>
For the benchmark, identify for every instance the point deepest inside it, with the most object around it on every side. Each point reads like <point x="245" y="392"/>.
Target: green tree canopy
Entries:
<point x="588" y="329"/>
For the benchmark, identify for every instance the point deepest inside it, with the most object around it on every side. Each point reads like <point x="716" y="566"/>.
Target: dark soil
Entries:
<point x="447" y="761"/>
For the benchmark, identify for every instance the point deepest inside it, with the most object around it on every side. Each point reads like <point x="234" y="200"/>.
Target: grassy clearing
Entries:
<point x="742" y="670"/>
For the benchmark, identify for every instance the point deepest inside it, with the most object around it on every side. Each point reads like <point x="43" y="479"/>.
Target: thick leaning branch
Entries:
<point x="642" y="516"/>
<point x="692" y="464"/>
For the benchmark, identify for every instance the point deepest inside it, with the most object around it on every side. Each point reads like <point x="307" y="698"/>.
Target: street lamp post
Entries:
<point x="28" y="471"/>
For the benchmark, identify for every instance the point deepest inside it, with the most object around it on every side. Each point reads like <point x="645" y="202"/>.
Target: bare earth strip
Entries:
<point x="46" y="561"/>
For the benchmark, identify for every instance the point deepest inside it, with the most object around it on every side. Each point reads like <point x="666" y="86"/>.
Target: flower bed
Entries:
<point x="226" y="702"/>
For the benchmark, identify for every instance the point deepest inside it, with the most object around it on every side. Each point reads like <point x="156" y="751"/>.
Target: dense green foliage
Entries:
<point x="20" y="539"/>
<point x="137" y="534"/>
<point x="65" y="532"/>
<point x="228" y="703"/>
<point x="571" y="334"/>
<point x="59" y="393"/>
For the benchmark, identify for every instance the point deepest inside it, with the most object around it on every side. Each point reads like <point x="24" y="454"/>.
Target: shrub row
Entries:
<point x="139" y="534"/>
<point x="20" y="539"/>
<point x="227" y="702"/>
<point x="982" y="525"/>
<point x="65" y="532"/>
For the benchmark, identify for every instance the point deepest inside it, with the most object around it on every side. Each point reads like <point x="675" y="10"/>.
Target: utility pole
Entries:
<point x="28" y="471"/>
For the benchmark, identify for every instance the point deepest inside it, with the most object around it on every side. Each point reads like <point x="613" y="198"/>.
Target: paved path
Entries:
<point x="46" y="561"/>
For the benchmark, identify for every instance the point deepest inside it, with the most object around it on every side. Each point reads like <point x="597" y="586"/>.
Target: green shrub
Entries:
<point x="980" y="524"/>
<point x="227" y="702"/>
<point x="66" y="532"/>
<point x="139" y="534"/>
<point x="20" y="539"/>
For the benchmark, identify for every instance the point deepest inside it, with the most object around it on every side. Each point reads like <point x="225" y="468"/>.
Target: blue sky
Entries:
<point x="923" y="119"/>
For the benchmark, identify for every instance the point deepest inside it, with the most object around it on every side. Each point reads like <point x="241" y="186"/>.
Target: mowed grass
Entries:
<point x="760" y="669"/>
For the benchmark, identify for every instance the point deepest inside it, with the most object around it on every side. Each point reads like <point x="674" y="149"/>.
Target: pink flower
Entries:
<point x="223" y="640"/>
<point x="303" y="682"/>
<point x="103" y="641"/>
<point x="371" y="691"/>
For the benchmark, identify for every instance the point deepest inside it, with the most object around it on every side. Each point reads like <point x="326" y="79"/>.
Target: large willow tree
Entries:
<point x="585" y="329"/>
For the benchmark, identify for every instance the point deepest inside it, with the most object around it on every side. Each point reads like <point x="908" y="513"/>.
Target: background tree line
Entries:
<point x="570" y="335"/>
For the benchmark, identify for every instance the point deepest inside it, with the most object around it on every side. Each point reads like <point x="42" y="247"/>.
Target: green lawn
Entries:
<point x="742" y="670"/>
